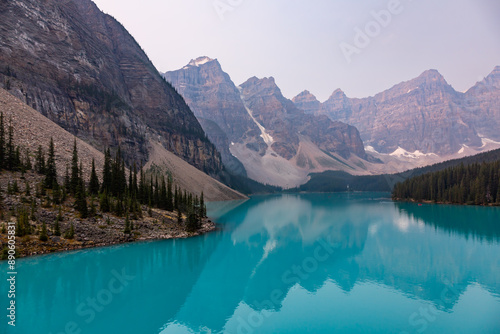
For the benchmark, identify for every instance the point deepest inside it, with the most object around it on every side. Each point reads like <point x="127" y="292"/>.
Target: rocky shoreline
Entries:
<point x="32" y="246"/>
<point x="101" y="230"/>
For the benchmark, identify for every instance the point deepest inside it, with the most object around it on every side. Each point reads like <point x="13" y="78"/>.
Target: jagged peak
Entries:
<point x="337" y="93"/>
<point x="200" y="61"/>
<point x="305" y="95"/>
<point x="432" y="75"/>
<point x="266" y="81"/>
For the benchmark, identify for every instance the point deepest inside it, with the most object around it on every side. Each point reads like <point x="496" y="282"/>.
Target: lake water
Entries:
<point x="315" y="263"/>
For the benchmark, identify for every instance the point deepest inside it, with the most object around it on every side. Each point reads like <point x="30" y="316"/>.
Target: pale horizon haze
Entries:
<point x="299" y="42"/>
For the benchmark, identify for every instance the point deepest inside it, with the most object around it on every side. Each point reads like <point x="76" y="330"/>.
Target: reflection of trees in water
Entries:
<point x="468" y="221"/>
<point x="418" y="267"/>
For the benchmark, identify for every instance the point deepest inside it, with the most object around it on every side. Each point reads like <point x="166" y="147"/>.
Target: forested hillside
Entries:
<point x="474" y="184"/>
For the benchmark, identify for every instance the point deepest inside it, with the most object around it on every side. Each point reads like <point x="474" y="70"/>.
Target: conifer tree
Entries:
<point x="43" y="234"/>
<point x="106" y="173"/>
<point x="203" y="208"/>
<point x="27" y="161"/>
<point x="51" y="170"/>
<point x="27" y="188"/>
<point x="67" y="180"/>
<point x="104" y="204"/>
<point x="75" y="171"/>
<point x="70" y="234"/>
<point x="170" y="203"/>
<point x="57" y="228"/>
<point x="10" y="149"/>
<point x="127" y="226"/>
<point x="94" y="181"/>
<point x="40" y="160"/>
<point x="179" y="217"/>
<point x="81" y="198"/>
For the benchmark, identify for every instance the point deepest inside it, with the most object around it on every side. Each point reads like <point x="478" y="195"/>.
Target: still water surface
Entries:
<point x="315" y="263"/>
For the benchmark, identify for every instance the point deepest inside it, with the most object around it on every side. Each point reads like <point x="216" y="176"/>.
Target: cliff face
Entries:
<point x="286" y="123"/>
<point x="83" y="70"/>
<point x="424" y="114"/>
<point x="215" y="100"/>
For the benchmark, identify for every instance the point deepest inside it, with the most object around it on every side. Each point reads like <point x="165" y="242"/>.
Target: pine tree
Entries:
<point x="104" y="202"/>
<point x="75" y="171"/>
<point x="203" y="208"/>
<point x="81" y="197"/>
<point x="57" y="228"/>
<point x="67" y="180"/>
<point x="107" y="173"/>
<point x="193" y="223"/>
<point x="170" y="196"/>
<point x="51" y="170"/>
<point x="179" y="217"/>
<point x="127" y="226"/>
<point x="43" y="234"/>
<point x="27" y="188"/>
<point x="10" y="149"/>
<point x="40" y="161"/>
<point x="94" y="181"/>
<point x="70" y="234"/>
<point x="27" y="161"/>
<point x="23" y="225"/>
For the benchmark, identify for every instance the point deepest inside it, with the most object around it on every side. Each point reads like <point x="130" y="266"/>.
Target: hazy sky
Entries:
<point x="303" y="44"/>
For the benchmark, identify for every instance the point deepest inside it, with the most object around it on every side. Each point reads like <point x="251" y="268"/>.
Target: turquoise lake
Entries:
<point x="308" y="263"/>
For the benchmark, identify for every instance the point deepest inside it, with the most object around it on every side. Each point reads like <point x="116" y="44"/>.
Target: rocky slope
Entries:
<point x="423" y="116"/>
<point x="83" y="70"/>
<point x="32" y="129"/>
<point x="276" y="142"/>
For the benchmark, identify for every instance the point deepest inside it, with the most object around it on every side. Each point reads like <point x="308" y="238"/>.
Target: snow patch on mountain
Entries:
<point x="200" y="61"/>
<point x="402" y="153"/>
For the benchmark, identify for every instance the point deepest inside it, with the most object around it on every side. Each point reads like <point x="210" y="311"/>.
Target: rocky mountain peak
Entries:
<point x="305" y="96"/>
<point x="307" y="102"/>
<point x="264" y="86"/>
<point x="337" y="94"/>
<point x="431" y="76"/>
<point x="200" y="61"/>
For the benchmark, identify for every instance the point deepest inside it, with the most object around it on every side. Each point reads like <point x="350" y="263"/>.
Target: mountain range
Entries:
<point x="281" y="142"/>
<point x="276" y="142"/>
<point x="424" y="114"/>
